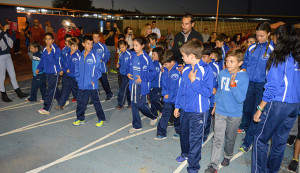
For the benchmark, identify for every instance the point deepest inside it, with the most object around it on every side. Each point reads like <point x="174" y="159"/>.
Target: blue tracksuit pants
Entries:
<point x="139" y="103"/>
<point x="70" y="84"/>
<point x="163" y="122"/>
<point x="155" y="99"/>
<point x="52" y="91"/>
<point x="38" y="82"/>
<point x="124" y="91"/>
<point x="105" y="85"/>
<point x="277" y="120"/>
<point x="207" y="124"/>
<point x="82" y="101"/>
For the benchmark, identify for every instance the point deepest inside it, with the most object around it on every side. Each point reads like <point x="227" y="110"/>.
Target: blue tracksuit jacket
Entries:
<point x="124" y="58"/>
<point x="71" y="61"/>
<point x="50" y="63"/>
<point x="170" y="83"/>
<point x="104" y="54"/>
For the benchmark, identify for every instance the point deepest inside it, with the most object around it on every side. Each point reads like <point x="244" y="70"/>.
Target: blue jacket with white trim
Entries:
<point x="283" y="82"/>
<point x="88" y="70"/>
<point x="216" y="70"/>
<point x="50" y="62"/>
<point x="36" y="58"/>
<point x="104" y="54"/>
<point x="71" y="62"/>
<point x="156" y="82"/>
<point x="124" y="58"/>
<point x="148" y="71"/>
<point x="63" y="60"/>
<point x="170" y="83"/>
<point x="255" y="63"/>
<point x="194" y="97"/>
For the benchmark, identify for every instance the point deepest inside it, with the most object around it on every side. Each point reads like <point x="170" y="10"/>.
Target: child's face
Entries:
<point x="187" y="58"/>
<point x="232" y="64"/>
<point x="250" y="41"/>
<point x="67" y="41"/>
<point x="137" y="47"/>
<point x="96" y="38"/>
<point x="33" y="49"/>
<point x="88" y="45"/>
<point x="214" y="56"/>
<point x="74" y="48"/>
<point x="219" y="44"/>
<point x="169" y="65"/>
<point x="206" y="58"/>
<point x="123" y="48"/>
<point x="155" y="56"/>
<point x="152" y="42"/>
<point x="262" y="36"/>
<point x="49" y="40"/>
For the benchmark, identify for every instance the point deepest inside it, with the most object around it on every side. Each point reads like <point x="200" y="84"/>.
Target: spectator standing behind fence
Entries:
<point x="68" y="28"/>
<point x="109" y="37"/>
<point x="205" y="35"/>
<point x="169" y="39"/>
<point x="155" y="29"/>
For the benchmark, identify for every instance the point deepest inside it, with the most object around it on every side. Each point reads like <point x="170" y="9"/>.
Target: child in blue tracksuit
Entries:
<point x="223" y="46"/>
<point x="87" y="73"/>
<point x="38" y="81"/>
<point x="51" y="66"/>
<point x="208" y="55"/>
<point x="232" y="88"/>
<point x="141" y="72"/>
<point x="195" y="88"/>
<point x="124" y="58"/>
<point x="280" y="103"/>
<point x="170" y="84"/>
<point x="104" y="54"/>
<point x="155" y="92"/>
<point x="255" y="62"/>
<point x="71" y="84"/>
<point x="64" y="82"/>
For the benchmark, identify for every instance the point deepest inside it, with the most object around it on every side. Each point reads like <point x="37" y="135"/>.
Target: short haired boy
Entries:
<point x="170" y="84"/>
<point x="153" y="40"/>
<point x="195" y="88"/>
<point x="87" y="72"/>
<point x="221" y="44"/>
<point x="231" y="94"/>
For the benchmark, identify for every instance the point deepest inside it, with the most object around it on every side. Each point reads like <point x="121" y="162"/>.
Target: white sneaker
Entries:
<point x="42" y="111"/>
<point x="67" y="103"/>
<point x="132" y="130"/>
<point x="153" y="122"/>
<point x="41" y="101"/>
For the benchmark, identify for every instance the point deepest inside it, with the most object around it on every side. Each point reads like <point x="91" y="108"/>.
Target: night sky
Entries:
<point x="258" y="7"/>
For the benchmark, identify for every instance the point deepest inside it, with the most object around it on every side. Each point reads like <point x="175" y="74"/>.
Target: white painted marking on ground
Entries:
<point x="183" y="164"/>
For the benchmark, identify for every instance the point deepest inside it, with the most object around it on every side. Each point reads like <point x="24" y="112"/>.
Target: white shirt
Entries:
<point x="157" y="31"/>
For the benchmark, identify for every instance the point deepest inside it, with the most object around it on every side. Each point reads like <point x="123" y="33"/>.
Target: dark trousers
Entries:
<point x="52" y="91"/>
<point x="207" y="124"/>
<point x="105" y="85"/>
<point x="139" y="103"/>
<point x="124" y="92"/>
<point x="276" y="122"/>
<point x="163" y="122"/>
<point x="155" y="99"/>
<point x="70" y="84"/>
<point x="119" y="78"/>
<point x="82" y="101"/>
<point x="38" y="82"/>
<point x="191" y="137"/>
<point x="17" y="46"/>
<point x="253" y="99"/>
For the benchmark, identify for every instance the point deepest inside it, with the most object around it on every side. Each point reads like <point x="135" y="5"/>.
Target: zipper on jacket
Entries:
<point x="257" y="61"/>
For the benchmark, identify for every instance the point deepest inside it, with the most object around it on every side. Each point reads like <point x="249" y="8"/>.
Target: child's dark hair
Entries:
<point x="121" y="36"/>
<point x="87" y="38"/>
<point x="263" y="26"/>
<point x="96" y="32"/>
<point x="49" y="34"/>
<point x="35" y="44"/>
<point x="287" y="42"/>
<point x="207" y="49"/>
<point x="167" y="56"/>
<point x="253" y="37"/>
<point x="238" y="53"/>
<point x="67" y="36"/>
<point x="159" y="51"/>
<point x="220" y="38"/>
<point x="218" y="52"/>
<point x="142" y="41"/>
<point x="73" y="41"/>
<point x="122" y="42"/>
<point x="194" y="47"/>
<point x="153" y="36"/>
<point x="162" y="43"/>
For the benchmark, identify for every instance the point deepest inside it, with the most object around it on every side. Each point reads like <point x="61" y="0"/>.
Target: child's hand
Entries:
<point x="192" y="75"/>
<point x="180" y="68"/>
<point x="166" y="96"/>
<point x="213" y="111"/>
<point x="118" y="65"/>
<point x="138" y="80"/>
<point x="232" y="80"/>
<point x="92" y="83"/>
<point x="68" y="71"/>
<point x="214" y="90"/>
<point x="256" y="116"/>
<point x="61" y="73"/>
<point x="130" y="76"/>
<point x="37" y="71"/>
<point x="176" y="113"/>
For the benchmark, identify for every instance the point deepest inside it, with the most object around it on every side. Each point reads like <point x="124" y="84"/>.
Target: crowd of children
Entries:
<point x="230" y="87"/>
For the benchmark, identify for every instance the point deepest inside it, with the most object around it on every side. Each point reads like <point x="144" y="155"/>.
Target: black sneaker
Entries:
<point x="225" y="162"/>
<point x="170" y="124"/>
<point x="210" y="169"/>
<point x="291" y="140"/>
<point x="108" y="98"/>
<point x="293" y="166"/>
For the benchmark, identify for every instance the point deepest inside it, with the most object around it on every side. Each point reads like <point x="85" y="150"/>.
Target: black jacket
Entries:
<point x="178" y="42"/>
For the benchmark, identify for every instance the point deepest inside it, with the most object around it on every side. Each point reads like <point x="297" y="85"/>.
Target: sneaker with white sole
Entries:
<point x="44" y="112"/>
<point x="159" y="137"/>
<point x="153" y="122"/>
<point x="132" y="130"/>
<point x="78" y="122"/>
